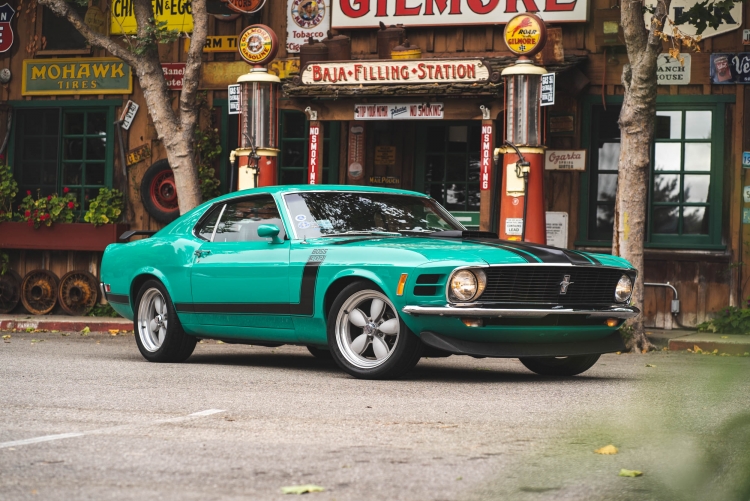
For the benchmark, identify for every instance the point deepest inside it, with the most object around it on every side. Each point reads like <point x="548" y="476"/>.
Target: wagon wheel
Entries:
<point x="10" y="291"/>
<point x="78" y="293"/>
<point x="39" y="291"/>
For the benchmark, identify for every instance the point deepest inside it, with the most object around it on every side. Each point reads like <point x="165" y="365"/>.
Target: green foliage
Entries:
<point x="730" y="320"/>
<point x="103" y="310"/>
<point x="207" y="150"/>
<point x="105" y="208"/>
<point x="52" y="209"/>
<point x="156" y="32"/>
<point x="8" y="191"/>
<point x="707" y="13"/>
<point x="4" y="262"/>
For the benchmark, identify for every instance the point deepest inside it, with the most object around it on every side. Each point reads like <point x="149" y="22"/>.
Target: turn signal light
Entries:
<point x="612" y="322"/>
<point x="401" y="284"/>
<point x="472" y="322"/>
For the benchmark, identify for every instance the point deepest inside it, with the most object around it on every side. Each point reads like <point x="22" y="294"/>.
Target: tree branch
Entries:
<point x="188" y="110"/>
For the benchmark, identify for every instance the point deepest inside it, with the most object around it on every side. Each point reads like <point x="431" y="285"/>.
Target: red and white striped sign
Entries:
<point x="485" y="156"/>
<point x="315" y="153"/>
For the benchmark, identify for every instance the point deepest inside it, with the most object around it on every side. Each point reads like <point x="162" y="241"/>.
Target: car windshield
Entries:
<point x="334" y="213"/>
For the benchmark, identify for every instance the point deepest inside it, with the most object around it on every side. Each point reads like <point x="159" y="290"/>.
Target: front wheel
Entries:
<point x="158" y="332"/>
<point x="367" y="337"/>
<point x="560" y="366"/>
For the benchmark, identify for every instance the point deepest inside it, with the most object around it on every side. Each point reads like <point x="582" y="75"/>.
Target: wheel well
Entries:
<point x="138" y="283"/>
<point x="335" y="289"/>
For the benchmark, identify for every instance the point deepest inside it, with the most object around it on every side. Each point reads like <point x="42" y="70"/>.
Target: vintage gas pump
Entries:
<point x="522" y="215"/>
<point x="258" y="136"/>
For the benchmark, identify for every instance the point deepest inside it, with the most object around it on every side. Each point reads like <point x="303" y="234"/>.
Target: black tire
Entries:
<point x="404" y="352"/>
<point x="159" y="197"/>
<point x="176" y="345"/>
<point x="560" y="366"/>
<point x="321" y="353"/>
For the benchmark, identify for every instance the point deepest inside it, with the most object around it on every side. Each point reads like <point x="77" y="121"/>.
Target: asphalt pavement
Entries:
<point x="85" y="417"/>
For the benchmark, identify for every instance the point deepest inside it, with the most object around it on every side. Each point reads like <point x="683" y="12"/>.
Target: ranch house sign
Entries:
<point x="395" y="72"/>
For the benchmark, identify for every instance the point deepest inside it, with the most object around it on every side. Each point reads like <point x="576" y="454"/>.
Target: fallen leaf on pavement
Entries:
<point x="630" y="473"/>
<point x="114" y="332"/>
<point x="607" y="450"/>
<point x="650" y="365"/>
<point x="724" y="337"/>
<point x="7" y="336"/>
<point x="219" y="342"/>
<point x="301" y="489"/>
<point x="85" y="330"/>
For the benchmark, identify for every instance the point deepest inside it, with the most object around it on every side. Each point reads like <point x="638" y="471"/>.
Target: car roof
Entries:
<point x="297" y="188"/>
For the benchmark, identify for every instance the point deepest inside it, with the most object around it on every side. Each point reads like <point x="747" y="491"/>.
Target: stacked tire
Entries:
<point x="41" y="290"/>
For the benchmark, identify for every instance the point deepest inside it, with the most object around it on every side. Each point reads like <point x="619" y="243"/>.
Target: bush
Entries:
<point x="730" y="320"/>
<point x="8" y="191"/>
<point x="105" y="208"/>
<point x="48" y="210"/>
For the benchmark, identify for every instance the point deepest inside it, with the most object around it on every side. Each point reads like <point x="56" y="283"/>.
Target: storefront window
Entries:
<point x="685" y="177"/>
<point x="57" y="148"/>
<point x="59" y="34"/>
<point x="293" y="143"/>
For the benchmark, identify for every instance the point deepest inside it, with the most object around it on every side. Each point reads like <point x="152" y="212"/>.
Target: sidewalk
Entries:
<point x="64" y="323"/>
<point x="681" y="340"/>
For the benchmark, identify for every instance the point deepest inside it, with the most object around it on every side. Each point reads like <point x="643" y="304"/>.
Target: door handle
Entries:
<point x="201" y="253"/>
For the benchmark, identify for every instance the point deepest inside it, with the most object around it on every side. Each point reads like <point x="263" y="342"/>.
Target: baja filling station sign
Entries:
<point x="369" y="13"/>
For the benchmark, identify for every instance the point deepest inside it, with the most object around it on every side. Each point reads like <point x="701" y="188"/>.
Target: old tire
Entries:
<point x="158" y="331"/>
<point x="78" y="293"/>
<point x="366" y="336"/>
<point x="158" y="192"/>
<point x="39" y="291"/>
<point x="10" y="291"/>
<point x="560" y="366"/>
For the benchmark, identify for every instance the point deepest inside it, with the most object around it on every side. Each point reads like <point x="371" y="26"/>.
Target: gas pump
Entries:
<point x="522" y="215"/>
<point x="258" y="138"/>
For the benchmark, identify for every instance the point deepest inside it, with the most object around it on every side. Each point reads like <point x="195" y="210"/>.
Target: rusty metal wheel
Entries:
<point x="78" y="292"/>
<point x="39" y="291"/>
<point x="10" y="291"/>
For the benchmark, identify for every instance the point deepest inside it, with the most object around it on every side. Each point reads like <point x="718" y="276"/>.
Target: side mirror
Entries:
<point x="270" y="231"/>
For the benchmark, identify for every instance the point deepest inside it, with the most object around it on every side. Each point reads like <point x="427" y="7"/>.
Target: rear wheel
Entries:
<point x="158" y="332"/>
<point x="560" y="366"/>
<point x="367" y="337"/>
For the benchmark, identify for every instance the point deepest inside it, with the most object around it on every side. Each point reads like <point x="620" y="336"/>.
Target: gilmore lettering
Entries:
<point x="403" y="8"/>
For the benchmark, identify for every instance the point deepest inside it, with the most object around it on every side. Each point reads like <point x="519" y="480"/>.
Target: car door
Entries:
<point x="239" y="280"/>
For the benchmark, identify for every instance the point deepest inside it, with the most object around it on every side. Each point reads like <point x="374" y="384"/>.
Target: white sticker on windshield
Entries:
<point x="300" y="217"/>
<point x="324" y="224"/>
<point x="303" y="225"/>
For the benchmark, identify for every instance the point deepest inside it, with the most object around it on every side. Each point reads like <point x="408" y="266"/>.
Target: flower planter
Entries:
<point x="60" y="236"/>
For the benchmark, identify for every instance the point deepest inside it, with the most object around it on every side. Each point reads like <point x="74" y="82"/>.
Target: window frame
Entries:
<point x="334" y="144"/>
<point x="712" y="241"/>
<point x="221" y="206"/>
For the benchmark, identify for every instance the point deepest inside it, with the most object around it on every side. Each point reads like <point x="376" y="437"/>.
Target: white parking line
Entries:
<point x="48" y="438"/>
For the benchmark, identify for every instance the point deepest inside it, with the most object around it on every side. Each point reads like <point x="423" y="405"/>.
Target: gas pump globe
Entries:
<point x="522" y="215"/>
<point x="259" y="113"/>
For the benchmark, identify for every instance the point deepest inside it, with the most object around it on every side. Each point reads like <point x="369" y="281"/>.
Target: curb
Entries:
<point x="61" y="324"/>
<point x="708" y="346"/>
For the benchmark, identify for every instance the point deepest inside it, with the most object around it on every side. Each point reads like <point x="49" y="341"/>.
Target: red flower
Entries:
<point x="44" y="217"/>
<point x="71" y="205"/>
<point x="49" y="197"/>
<point x="66" y="189"/>
<point x="28" y="192"/>
<point x="27" y="213"/>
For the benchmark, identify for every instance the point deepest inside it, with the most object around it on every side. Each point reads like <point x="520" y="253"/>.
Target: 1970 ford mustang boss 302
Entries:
<point x="374" y="278"/>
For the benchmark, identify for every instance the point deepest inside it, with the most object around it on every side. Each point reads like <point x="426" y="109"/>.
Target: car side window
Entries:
<point x="240" y="220"/>
<point x="205" y="229"/>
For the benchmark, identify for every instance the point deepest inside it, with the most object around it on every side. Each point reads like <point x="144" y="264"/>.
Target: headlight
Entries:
<point x="624" y="289"/>
<point x="466" y="285"/>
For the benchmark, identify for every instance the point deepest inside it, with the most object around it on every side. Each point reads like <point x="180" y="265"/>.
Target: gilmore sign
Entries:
<point x="395" y="72"/>
<point x="369" y="13"/>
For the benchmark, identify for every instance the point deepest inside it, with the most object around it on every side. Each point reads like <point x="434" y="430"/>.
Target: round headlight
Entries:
<point x="463" y="285"/>
<point x="624" y="289"/>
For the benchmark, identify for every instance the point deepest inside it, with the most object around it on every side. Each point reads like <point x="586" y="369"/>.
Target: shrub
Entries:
<point x="105" y="208"/>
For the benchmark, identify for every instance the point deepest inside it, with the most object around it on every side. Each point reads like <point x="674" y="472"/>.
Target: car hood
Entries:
<point x="488" y="250"/>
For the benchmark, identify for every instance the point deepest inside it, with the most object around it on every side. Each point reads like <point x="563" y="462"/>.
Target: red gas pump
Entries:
<point x="522" y="215"/>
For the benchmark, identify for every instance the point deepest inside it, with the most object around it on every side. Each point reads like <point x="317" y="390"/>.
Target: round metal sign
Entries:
<point x="525" y="34"/>
<point x="245" y="6"/>
<point x="258" y="44"/>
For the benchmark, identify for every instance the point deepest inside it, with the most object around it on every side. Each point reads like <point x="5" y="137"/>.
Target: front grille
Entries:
<point x="541" y="284"/>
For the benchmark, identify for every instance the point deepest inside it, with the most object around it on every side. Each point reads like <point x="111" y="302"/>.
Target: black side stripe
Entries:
<point x="305" y="307"/>
<point x="117" y="298"/>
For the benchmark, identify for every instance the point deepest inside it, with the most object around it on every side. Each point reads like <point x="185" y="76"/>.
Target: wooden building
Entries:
<point x="696" y="235"/>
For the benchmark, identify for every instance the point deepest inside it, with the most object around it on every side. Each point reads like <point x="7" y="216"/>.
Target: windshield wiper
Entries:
<point x="358" y="232"/>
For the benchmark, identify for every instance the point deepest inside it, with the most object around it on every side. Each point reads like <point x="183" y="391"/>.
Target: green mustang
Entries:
<point x="373" y="277"/>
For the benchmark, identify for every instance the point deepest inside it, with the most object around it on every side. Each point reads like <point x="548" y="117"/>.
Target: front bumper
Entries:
<point x="621" y="312"/>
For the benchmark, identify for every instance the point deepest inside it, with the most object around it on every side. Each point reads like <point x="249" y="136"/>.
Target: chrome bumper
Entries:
<point x="454" y="311"/>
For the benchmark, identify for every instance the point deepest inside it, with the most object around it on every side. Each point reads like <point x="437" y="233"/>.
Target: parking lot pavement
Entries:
<point x="85" y="417"/>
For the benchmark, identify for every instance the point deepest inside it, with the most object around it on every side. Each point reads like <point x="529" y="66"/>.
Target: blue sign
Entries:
<point x="746" y="159"/>
<point x="730" y="68"/>
<point x="745" y="216"/>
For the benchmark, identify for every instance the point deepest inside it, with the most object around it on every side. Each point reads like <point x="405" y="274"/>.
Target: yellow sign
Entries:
<point x="217" y="75"/>
<point x="525" y="34"/>
<point x="258" y="44"/>
<point x="177" y="13"/>
<point x="96" y="75"/>
<point x="283" y="68"/>
<point x="217" y="44"/>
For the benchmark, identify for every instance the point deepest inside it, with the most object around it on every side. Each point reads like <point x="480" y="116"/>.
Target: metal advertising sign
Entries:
<point x="395" y="72"/>
<point x="6" y="31"/>
<point x="306" y="19"/>
<point x="177" y="13"/>
<point x="746" y="159"/>
<point x="401" y="111"/>
<point x="565" y="160"/>
<point x="138" y="155"/>
<point x="217" y="44"/>
<point x="557" y="229"/>
<point x="258" y="44"/>
<point x="96" y="20"/>
<point x="368" y="14"/>
<point x="356" y="154"/>
<point x="730" y="21"/>
<point x="670" y="71"/>
<point x="174" y="74"/>
<point x="315" y="152"/>
<point x="245" y="6"/>
<point x="485" y="156"/>
<point x="218" y="74"/>
<point x="730" y="68"/>
<point x="96" y="75"/>
<point x="234" y="100"/>
<point x="128" y="114"/>
<point x="547" y="97"/>
<point x="745" y="37"/>
<point x="525" y="34"/>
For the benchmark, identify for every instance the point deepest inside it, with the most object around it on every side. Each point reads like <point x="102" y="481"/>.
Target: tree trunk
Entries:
<point x="636" y="122"/>
<point x="176" y="132"/>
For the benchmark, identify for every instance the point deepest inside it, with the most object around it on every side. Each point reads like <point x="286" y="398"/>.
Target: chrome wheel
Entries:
<point x="152" y="319"/>
<point x="367" y="329"/>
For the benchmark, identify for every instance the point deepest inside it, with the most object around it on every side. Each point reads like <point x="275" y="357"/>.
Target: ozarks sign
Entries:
<point x="6" y="32"/>
<point x="96" y="75"/>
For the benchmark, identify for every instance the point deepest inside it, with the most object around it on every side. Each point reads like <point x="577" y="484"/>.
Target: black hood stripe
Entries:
<point x="530" y="258"/>
<point x="539" y="253"/>
<point x="587" y="256"/>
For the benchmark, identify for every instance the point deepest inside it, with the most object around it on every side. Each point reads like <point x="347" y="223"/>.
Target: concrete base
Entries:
<point x="64" y="323"/>
<point x="681" y="340"/>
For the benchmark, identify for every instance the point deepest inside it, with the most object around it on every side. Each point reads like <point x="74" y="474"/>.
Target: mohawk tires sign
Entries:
<point x="369" y="13"/>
